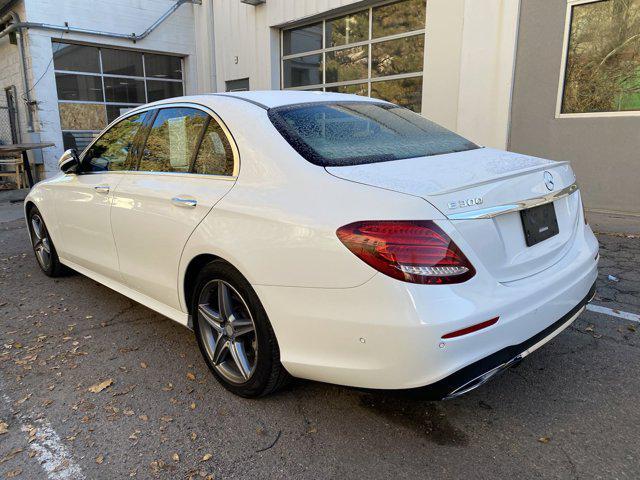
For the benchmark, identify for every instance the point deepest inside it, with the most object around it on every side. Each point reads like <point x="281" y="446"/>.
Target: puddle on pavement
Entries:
<point x="424" y="418"/>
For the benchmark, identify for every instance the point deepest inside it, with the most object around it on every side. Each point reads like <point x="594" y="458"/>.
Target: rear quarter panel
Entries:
<point x="278" y="224"/>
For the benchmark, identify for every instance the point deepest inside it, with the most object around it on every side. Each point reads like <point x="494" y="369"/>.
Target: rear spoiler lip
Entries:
<point x="516" y="173"/>
<point x="491" y="212"/>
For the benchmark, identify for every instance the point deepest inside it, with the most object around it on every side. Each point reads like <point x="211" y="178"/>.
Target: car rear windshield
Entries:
<point x="354" y="133"/>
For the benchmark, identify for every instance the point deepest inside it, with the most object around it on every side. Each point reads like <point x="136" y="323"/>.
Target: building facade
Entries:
<point x="552" y="78"/>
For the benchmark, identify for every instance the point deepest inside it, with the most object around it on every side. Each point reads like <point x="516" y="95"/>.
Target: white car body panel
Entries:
<point x="336" y="318"/>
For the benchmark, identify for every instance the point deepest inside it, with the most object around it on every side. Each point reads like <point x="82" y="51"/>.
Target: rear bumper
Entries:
<point x="387" y="334"/>
<point x="478" y="373"/>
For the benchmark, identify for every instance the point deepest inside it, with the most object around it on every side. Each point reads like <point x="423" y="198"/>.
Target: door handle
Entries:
<point x="102" y="189"/>
<point x="184" y="202"/>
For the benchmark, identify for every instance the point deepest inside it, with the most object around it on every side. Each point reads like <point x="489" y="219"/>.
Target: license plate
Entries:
<point x="539" y="223"/>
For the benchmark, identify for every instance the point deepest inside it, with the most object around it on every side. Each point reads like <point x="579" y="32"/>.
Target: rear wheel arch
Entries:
<point x="30" y="205"/>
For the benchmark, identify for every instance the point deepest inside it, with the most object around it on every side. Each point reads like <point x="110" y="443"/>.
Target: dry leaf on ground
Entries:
<point x="98" y="387"/>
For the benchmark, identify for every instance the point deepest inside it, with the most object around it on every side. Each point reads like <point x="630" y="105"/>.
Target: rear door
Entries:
<point x="83" y="201"/>
<point x="188" y="163"/>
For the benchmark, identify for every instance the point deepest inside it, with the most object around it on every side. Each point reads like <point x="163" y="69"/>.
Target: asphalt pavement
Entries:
<point x="95" y="386"/>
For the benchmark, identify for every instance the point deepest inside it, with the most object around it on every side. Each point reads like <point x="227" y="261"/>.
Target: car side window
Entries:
<point x="172" y="140"/>
<point x="215" y="156"/>
<point x="111" y="150"/>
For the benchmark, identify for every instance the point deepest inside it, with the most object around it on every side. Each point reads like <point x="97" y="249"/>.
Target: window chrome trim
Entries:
<point x="197" y="106"/>
<point x="492" y="212"/>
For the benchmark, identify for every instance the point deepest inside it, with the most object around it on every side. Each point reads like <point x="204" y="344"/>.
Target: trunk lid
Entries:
<point x="485" y="179"/>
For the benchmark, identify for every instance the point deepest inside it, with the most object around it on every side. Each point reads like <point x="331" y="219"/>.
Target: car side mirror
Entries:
<point x="69" y="161"/>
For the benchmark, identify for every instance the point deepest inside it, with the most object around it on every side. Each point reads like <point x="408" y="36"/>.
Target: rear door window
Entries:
<point x="215" y="156"/>
<point x="173" y="140"/>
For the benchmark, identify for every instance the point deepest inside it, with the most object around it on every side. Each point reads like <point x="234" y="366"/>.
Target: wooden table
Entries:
<point x="22" y="148"/>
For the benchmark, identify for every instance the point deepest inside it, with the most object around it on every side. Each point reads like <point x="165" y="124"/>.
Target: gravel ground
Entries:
<point x="569" y="411"/>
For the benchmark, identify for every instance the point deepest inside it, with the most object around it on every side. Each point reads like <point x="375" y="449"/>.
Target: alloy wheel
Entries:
<point x="228" y="331"/>
<point x="41" y="242"/>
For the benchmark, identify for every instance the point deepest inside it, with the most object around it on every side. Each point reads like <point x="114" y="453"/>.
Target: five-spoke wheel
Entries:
<point x="227" y="327"/>
<point x="234" y="332"/>
<point x="41" y="242"/>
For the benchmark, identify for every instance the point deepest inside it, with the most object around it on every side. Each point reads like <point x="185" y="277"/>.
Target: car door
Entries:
<point x="83" y="200"/>
<point x="188" y="163"/>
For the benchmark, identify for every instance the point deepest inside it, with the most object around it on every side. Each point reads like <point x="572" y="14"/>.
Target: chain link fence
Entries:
<point x="8" y="117"/>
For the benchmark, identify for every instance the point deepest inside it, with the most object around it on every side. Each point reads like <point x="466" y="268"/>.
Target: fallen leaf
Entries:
<point x="98" y="387"/>
<point x="10" y="455"/>
<point x="631" y="328"/>
<point x="144" y="418"/>
<point x="544" y="439"/>
<point x="128" y="412"/>
<point x="207" y="457"/>
<point x="191" y="376"/>
<point x="192" y="406"/>
<point x="175" y="457"/>
<point x="143" y="365"/>
<point x="100" y="459"/>
<point x="4" y="427"/>
<point x="166" y="418"/>
<point x="194" y="435"/>
<point x="13" y="473"/>
<point x="589" y="328"/>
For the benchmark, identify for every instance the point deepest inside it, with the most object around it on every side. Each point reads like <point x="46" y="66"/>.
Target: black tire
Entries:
<point x="52" y="266"/>
<point x="267" y="374"/>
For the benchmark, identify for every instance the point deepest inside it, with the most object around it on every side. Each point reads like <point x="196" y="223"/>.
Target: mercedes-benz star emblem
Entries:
<point x="548" y="181"/>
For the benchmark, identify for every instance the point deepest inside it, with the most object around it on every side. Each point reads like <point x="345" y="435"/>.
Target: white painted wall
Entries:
<point x="175" y="36"/>
<point x="469" y="56"/>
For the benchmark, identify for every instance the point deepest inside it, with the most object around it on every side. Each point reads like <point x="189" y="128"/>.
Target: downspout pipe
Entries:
<point x="15" y="18"/>
<point x="99" y="33"/>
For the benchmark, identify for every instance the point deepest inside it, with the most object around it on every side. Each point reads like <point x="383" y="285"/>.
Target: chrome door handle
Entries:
<point x="102" y="189"/>
<point x="184" y="202"/>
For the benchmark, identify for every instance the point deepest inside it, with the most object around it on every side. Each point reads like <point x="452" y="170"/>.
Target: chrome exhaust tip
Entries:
<point x="482" y="379"/>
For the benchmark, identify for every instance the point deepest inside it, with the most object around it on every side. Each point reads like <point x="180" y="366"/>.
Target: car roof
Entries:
<point x="279" y="98"/>
<point x="270" y="98"/>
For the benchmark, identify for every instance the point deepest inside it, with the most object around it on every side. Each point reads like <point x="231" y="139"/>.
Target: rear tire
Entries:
<point x="43" y="247"/>
<point x="234" y="333"/>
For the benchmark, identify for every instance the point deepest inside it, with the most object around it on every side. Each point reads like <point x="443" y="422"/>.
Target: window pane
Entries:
<point x="75" y="57"/>
<point x="172" y="140"/>
<point x="121" y="62"/>
<point x="603" y="59"/>
<point x="354" y="133"/>
<point x="215" y="156"/>
<point x="111" y="150"/>
<point x="406" y="92"/>
<point x="78" y="87"/>
<point x="303" y="39"/>
<point x="404" y="55"/>
<point x="399" y="17"/>
<point x="158" y="90"/>
<point x="124" y="90"/>
<point x="114" y="111"/>
<point x="82" y="116"/>
<point x="349" y="29"/>
<point x="302" y="71"/>
<point x="358" y="89"/>
<point x="347" y="64"/>
<point x="163" y="66"/>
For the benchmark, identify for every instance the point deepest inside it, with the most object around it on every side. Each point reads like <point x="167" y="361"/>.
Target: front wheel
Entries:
<point x="234" y="333"/>
<point x="43" y="247"/>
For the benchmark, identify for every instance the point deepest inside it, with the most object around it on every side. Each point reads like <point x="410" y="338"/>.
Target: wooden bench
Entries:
<point x="16" y="170"/>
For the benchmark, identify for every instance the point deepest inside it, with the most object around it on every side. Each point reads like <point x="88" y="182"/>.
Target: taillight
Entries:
<point x="411" y="251"/>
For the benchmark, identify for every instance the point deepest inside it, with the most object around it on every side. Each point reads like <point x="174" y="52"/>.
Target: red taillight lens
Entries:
<point x="411" y="251"/>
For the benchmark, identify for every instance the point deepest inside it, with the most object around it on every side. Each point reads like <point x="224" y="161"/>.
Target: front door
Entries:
<point x="186" y="167"/>
<point x="83" y="201"/>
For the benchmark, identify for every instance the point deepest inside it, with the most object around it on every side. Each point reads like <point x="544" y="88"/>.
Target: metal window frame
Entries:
<point x="145" y="79"/>
<point x="364" y="43"/>
<point x="563" y="72"/>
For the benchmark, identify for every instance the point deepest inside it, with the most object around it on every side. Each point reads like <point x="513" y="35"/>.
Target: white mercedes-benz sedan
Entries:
<point x="323" y="236"/>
